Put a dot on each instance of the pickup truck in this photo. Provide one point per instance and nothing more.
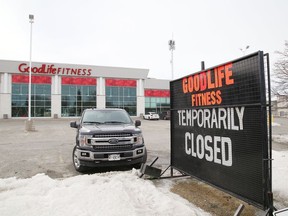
(165, 115)
(107, 137)
(151, 116)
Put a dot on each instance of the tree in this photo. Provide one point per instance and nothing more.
(281, 73)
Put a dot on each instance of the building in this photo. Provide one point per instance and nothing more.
(65, 90)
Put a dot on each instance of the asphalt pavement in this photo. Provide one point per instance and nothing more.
(49, 149)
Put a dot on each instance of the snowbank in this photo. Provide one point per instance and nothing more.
(114, 193)
(280, 175)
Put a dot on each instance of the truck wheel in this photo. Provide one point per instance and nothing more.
(76, 162)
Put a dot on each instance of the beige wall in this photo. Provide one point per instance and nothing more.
(7, 68)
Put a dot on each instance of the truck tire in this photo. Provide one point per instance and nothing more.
(76, 162)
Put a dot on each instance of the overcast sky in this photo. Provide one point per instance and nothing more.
(135, 33)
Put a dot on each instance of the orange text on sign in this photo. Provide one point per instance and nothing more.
(208, 80)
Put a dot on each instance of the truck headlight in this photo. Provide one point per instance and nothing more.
(138, 139)
(84, 140)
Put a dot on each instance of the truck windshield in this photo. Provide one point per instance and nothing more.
(106, 117)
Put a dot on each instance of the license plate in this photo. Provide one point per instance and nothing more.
(114, 157)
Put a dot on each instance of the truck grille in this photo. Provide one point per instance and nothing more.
(112, 135)
(113, 147)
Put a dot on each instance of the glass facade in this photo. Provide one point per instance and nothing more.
(157, 104)
(40, 96)
(121, 94)
(157, 100)
(77, 94)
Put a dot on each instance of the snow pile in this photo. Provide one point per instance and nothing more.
(114, 193)
(280, 175)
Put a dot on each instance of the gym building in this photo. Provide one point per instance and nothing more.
(65, 90)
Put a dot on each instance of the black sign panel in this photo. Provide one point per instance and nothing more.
(219, 127)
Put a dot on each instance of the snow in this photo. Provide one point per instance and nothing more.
(112, 193)
(280, 170)
(280, 175)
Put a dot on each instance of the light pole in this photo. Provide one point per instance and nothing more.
(244, 50)
(31, 20)
(29, 123)
(172, 48)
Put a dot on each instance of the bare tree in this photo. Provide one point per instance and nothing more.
(281, 72)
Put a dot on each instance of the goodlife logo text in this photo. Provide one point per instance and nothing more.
(51, 69)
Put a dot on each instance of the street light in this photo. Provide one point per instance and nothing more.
(31, 20)
(29, 123)
(171, 44)
(244, 50)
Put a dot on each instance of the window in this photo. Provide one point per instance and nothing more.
(78, 94)
(122, 97)
(40, 100)
(157, 100)
(157, 104)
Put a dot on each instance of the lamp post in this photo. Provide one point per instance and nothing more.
(171, 44)
(244, 50)
(31, 20)
(29, 123)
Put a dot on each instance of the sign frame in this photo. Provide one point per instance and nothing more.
(184, 158)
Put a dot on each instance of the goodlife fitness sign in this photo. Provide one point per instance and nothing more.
(219, 127)
(51, 69)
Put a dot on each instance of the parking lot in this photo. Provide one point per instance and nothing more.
(49, 149)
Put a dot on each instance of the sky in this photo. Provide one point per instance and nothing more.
(135, 33)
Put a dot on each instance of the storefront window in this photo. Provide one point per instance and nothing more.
(157, 100)
(77, 94)
(121, 94)
(40, 96)
(153, 104)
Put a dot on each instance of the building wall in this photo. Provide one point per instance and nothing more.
(157, 84)
(5, 95)
(62, 69)
(101, 99)
(58, 71)
(140, 97)
(56, 97)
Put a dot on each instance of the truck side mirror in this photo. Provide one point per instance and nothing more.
(73, 124)
(137, 123)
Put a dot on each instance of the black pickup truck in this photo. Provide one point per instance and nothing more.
(107, 137)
